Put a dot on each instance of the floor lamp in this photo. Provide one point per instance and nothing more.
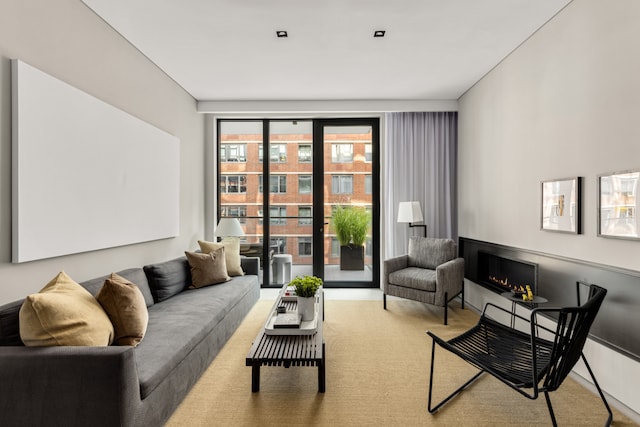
(410, 212)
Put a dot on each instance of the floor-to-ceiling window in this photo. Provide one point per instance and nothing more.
(283, 179)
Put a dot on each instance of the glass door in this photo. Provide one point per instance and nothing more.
(284, 180)
(346, 199)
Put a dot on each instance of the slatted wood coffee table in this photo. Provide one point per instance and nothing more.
(289, 350)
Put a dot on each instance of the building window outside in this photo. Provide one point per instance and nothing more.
(239, 212)
(368, 247)
(278, 244)
(335, 247)
(304, 184)
(233, 153)
(342, 184)
(368, 152)
(304, 154)
(278, 215)
(304, 246)
(233, 184)
(278, 153)
(341, 153)
(277, 184)
(304, 215)
(368, 184)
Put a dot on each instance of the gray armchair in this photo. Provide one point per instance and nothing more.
(429, 273)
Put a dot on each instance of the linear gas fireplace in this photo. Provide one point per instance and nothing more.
(502, 274)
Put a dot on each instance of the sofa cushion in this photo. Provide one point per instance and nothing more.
(208, 269)
(135, 275)
(9, 324)
(415, 278)
(426, 252)
(124, 304)
(231, 254)
(64, 313)
(168, 278)
(179, 324)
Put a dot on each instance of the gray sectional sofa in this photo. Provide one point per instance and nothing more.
(122, 385)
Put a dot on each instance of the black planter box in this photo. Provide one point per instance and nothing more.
(351, 257)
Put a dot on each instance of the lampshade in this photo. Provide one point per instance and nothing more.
(409, 212)
(229, 227)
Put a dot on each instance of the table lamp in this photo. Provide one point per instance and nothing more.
(229, 227)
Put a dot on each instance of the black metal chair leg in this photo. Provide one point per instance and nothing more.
(553, 417)
(435, 409)
(604, 400)
(446, 304)
(384, 301)
(462, 295)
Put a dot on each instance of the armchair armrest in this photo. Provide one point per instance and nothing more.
(449, 279)
(394, 264)
(81, 385)
(250, 265)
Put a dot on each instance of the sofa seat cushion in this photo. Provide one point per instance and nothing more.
(178, 324)
(415, 278)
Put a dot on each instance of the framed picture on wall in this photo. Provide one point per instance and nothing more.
(618, 204)
(561, 205)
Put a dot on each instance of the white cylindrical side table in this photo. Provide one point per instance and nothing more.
(282, 268)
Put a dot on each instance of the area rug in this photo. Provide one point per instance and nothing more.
(377, 374)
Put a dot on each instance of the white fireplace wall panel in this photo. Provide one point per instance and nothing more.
(85, 175)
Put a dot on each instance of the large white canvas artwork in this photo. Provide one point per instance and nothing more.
(85, 175)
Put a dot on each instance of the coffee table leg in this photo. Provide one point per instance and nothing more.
(321, 373)
(255, 377)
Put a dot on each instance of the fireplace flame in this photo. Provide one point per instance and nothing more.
(505, 283)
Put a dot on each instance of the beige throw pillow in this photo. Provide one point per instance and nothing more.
(64, 313)
(124, 304)
(207, 269)
(231, 254)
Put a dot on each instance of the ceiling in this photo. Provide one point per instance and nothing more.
(227, 50)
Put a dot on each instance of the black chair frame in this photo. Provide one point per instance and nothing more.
(526, 362)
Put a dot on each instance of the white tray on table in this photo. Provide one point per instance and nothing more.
(307, 327)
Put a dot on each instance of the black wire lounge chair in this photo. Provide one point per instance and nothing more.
(529, 362)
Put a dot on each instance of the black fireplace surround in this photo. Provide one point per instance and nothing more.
(554, 278)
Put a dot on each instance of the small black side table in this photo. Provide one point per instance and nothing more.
(537, 299)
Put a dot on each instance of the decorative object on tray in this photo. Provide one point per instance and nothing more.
(523, 292)
(306, 288)
(287, 323)
(288, 319)
(290, 294)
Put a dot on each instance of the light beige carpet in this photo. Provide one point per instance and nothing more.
(377, 375)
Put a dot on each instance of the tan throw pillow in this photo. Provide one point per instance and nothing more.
(231, 254)
(64, 313)
(124, 304)
(207, 269)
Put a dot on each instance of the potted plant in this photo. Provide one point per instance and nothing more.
(351, 225)
(306, 288)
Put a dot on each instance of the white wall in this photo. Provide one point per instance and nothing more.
(66, 39)
(564, 104)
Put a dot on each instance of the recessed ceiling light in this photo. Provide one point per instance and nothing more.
(281, 34)
(379, 33)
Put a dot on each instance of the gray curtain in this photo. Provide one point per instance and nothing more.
(421, 164)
